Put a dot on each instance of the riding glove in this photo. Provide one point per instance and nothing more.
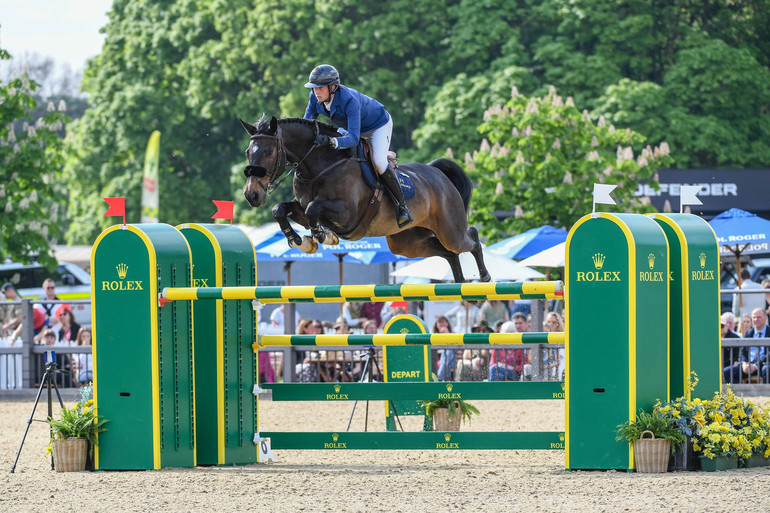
(324, 140)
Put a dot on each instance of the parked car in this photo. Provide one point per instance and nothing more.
(72, 282)
(759, 269)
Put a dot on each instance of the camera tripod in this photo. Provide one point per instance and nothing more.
(49, 380)
(367, 376)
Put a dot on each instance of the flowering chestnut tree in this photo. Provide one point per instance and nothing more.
(31, 157)
(540, 158)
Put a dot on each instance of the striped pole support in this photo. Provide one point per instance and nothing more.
(403, 292)
(422, 390)
(436, 339)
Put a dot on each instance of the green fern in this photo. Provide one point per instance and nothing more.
(660, 425)
(80, 421)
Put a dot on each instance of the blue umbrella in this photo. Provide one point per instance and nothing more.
(528, 243)
(278, 249)
(369, 250)
(741, 232)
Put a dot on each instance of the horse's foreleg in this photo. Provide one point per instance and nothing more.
(478, 254)
(281, 213)
(320, 234)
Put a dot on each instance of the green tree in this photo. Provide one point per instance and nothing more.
(712, 107)
(452, 116)
(191, 68)
(136, 86)
(32, 159)
(719, 99)
(543, 160)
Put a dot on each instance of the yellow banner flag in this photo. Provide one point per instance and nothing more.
(150, 180)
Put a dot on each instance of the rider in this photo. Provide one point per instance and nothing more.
(362, 117)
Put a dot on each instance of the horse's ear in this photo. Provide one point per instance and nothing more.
(273, 125)
(251, 129)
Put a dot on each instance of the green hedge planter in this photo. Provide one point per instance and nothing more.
(718, 463)
(756, 460)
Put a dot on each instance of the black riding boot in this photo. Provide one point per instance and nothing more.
(403, 216)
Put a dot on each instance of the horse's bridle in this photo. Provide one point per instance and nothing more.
(280, 163)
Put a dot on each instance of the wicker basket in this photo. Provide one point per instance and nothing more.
(442, 421)
(69, 455)
(651, 454)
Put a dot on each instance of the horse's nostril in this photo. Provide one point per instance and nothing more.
(252, 197)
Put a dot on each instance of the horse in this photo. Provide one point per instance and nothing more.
(332, 199)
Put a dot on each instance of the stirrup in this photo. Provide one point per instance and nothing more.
(403, 216)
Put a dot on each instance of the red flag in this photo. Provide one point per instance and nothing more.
(224, 210)
(117, 207)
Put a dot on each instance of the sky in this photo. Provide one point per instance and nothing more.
(65, 30)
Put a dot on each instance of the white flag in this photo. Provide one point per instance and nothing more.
(602, 194)
(688, 196)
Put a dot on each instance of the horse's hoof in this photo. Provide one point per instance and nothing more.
(331, 238)
(308, 245)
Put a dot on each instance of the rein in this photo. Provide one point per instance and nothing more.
(281, 163)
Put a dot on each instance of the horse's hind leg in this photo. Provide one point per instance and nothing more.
(478, 254)
(454, 264)
(420, 242)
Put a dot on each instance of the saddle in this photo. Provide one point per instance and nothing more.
(372, 179)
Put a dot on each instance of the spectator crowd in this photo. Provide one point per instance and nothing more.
(747, 320)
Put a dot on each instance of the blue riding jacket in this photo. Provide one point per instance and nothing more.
(351, 110)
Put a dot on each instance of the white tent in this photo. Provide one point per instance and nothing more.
(551, 257)
(437, 268)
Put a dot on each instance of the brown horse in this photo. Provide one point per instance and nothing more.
(331, 197)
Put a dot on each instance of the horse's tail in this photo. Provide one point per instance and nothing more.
(457, 176)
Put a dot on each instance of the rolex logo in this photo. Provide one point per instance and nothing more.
(598, 259)
(449, 387)
(561, 437)
(122, 270)
(651, 261)
(335, 437)
(447, 437)
(337, 388)
(404, 331)
(702, 258)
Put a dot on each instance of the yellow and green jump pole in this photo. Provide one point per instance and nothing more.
(436, 339)
(341, 293)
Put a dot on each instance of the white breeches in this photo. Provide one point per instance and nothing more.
(379, 140)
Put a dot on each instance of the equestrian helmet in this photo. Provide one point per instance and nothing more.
(323, 75)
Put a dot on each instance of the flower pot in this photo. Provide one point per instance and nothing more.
(651, 454)
(718, 463)
(755, 460)
(69, 455)
(442, 421)
(684, 457)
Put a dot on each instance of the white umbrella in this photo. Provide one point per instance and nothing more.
(437, 268)
(551, 257)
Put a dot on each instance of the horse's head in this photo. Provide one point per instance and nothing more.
(266, 159)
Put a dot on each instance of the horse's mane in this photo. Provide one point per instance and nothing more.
(263, 124)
